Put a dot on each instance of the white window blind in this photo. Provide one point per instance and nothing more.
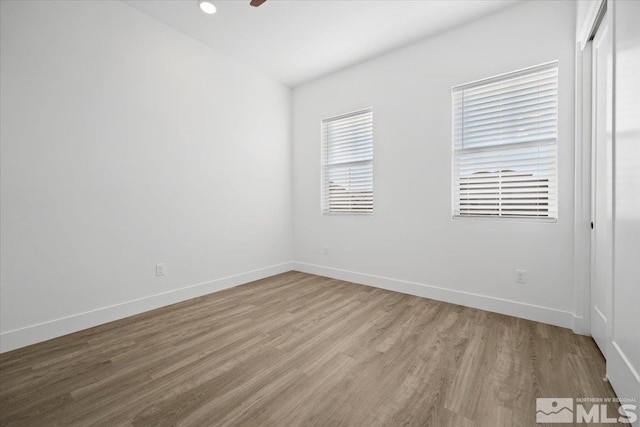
(347, 163)
(505, 135)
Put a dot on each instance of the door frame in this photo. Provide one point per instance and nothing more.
(582, 184)
(606, 312)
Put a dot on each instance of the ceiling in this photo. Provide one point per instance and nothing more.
(295, 41)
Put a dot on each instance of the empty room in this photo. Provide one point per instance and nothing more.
(319, 212)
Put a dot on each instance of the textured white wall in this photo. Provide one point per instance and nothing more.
(411, 235)
(126, 144)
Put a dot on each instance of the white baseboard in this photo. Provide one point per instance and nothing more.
(497, 305)
(32, 334)
(581, 326)
(624, 379)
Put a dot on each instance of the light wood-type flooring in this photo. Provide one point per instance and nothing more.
(301, 350)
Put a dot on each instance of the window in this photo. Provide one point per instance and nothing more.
(505, 134)
(347, 163)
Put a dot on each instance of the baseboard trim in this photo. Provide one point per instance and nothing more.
(497, 305)
(624, 379)
(33, 334)
(581, 326)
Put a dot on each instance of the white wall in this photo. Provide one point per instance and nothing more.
(411, 242)
(623, 365)
(126, 144)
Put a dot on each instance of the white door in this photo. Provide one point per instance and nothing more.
(601, 189)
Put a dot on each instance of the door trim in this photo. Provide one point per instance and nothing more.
(601, 256)
(582, 183)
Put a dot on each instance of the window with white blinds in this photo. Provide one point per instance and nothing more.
(347, 163)
(505, 137)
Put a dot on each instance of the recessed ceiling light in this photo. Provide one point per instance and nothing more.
(207, 7)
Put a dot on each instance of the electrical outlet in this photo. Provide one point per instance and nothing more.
(521, 277)
(160, 269)
(325, 250)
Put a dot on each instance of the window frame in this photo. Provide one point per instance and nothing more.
(500, 218)
(325, 210)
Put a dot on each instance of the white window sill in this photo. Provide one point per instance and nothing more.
(505, 219)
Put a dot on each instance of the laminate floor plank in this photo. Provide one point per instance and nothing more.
(296, 350)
